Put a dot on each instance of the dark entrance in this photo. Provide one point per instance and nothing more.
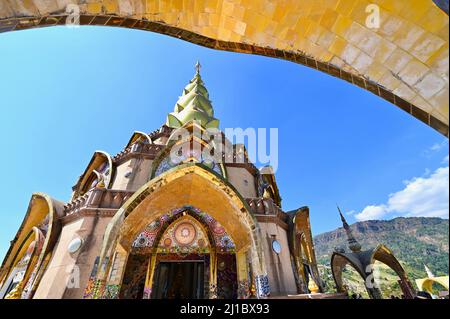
(179, 280)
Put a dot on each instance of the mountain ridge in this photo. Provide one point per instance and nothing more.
(415, 241)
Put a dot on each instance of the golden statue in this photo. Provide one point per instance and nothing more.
(312, 286)
(16, 293)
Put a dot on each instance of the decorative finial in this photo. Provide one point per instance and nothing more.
(353, 244)
(198, 67)
(428, 271)
(342, 216)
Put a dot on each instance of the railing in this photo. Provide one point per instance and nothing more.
(114, 199)
(139, 148)
(264, 206)
(98, 198)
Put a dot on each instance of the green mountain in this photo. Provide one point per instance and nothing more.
(415, 241)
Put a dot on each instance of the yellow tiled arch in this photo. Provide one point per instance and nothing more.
(404, 60)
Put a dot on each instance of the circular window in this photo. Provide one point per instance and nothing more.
(276, 246)
(75, 245)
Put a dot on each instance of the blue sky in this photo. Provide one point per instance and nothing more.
(68, 92)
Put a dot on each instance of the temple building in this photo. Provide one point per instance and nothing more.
(140, 225)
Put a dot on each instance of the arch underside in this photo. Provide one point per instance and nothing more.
(171, 194)
(360, 261)
(177, 188)
(427, 283)
(404, 61)
(41, 218)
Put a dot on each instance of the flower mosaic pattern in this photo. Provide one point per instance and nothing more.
(147, 237)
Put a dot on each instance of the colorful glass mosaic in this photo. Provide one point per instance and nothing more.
(226, 276)
(134, 278)
(262, 286)
(89, 290)
(167, 163)
(147, 238)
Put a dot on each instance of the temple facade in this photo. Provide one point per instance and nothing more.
(142, 225)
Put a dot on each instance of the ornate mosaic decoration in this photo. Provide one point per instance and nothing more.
(111, 292)
(184, 236)
(164, 166)
(167, 163)
(185, 233)
(243, 289)
(133, 282)
(262, 286)
(89, 291)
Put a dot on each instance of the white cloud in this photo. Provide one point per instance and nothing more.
(445, 160)
(422, 196)
(350, 213)
(436, 147)
(372, 212)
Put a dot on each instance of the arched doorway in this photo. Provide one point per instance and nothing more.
(178, 255)
(188, 185)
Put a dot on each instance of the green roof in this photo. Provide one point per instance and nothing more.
(193, 105)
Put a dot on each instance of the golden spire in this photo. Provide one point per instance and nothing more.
(193, 105)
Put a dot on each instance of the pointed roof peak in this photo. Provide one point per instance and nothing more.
(342, 216)
(428, 271)
(353, 244)
(194, 104)
(197, 67)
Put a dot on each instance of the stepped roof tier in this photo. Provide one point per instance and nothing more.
(193, 105)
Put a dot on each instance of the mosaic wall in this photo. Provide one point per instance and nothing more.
(167, 164)
(227, 286)
(111, 292)
(184, 235)
(134, 278)
(89, 291)
(146, 239)
(262, 286)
